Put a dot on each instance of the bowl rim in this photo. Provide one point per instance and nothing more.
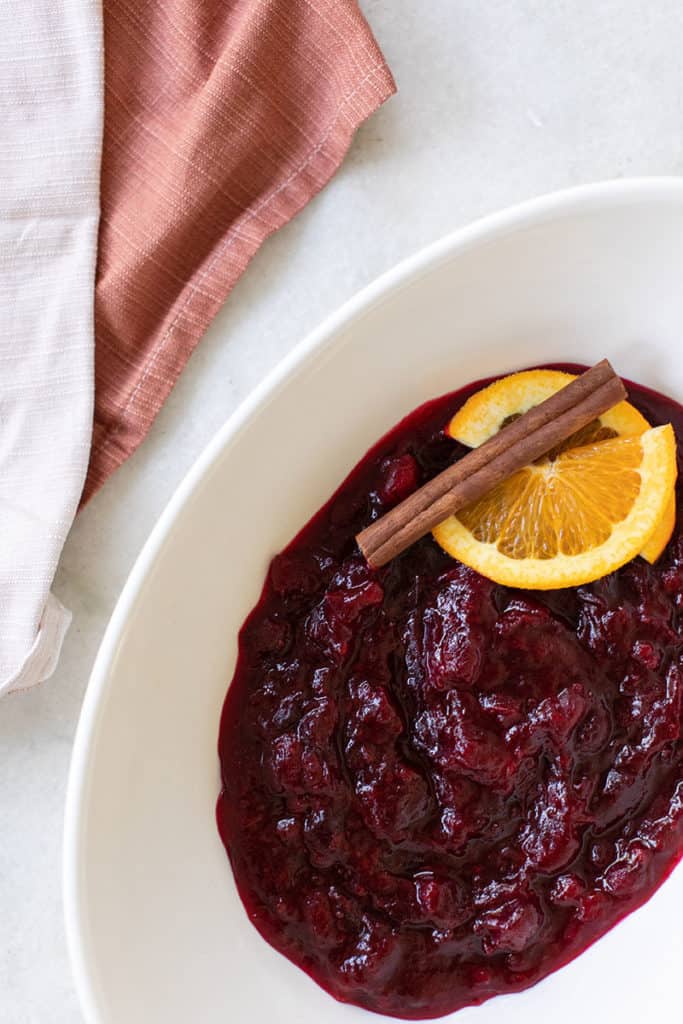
(582, 198)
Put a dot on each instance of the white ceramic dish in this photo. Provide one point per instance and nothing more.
(156, 931)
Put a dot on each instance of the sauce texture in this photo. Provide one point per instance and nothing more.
(437, 789)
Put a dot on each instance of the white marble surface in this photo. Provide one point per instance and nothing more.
(499, 101)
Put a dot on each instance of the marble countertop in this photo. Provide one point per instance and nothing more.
(498, 102)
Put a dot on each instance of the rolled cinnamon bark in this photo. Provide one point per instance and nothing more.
(518, 444)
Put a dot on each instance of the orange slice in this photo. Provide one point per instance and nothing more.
(603, 497)
(662, 535)
(485, 412)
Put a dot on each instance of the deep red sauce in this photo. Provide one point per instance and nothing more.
(437, 789)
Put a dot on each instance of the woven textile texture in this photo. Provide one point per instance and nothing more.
(51, 102)
(222, 119)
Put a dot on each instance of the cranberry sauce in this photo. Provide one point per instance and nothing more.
(437, 789)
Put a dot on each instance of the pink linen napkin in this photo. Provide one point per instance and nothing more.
(222, 119)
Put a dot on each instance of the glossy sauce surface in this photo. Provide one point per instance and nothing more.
(437, 789)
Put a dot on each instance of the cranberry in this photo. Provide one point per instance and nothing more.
(294, 574)
(330, 623)
(270, 636)
(318, 914)
(318, 723)
(400, 476)
(551, 720)
(287, 761)
(453, 629)
(567, 891)
(324, 843)
(625, 874)
(372, 717)
(289, 830)
(594, 731)
(441, 901)
(550, 837)
(393, 797)
(647, 654)
(451, 736)
(510, 927)
(369, 955)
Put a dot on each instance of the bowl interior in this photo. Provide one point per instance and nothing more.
(156, 928)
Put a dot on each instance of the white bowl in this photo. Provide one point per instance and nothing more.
(155, 927)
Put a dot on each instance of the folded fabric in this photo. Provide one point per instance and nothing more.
(51, 100)
(223, 118)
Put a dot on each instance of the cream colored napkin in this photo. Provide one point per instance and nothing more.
(51, 64)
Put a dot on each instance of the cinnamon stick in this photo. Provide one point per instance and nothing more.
(516, 445)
